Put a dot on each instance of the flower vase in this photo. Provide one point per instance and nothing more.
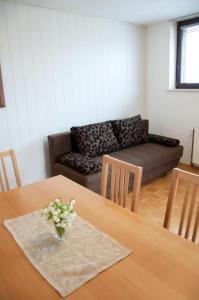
(60, 233)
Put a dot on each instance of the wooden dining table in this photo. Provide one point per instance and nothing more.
(161, 266)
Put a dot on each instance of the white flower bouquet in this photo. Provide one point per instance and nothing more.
(61, 214)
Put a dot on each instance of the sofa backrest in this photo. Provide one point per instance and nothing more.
(61, 143)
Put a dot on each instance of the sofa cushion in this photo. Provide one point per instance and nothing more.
(130, 131)
(149, 155)
(82, 163)
(163, 140)
(95, 139)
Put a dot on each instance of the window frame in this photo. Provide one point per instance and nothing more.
(180, 24)
(2, 99)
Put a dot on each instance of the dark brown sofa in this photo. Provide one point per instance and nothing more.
(155, 158)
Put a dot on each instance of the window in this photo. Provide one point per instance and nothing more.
(187, 69)
(2, 101)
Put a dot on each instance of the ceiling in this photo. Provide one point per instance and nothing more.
(135, 11)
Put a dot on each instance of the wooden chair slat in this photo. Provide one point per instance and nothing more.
(16, 169)
(126, 187)
(112, 184)
(104, 179)
(171, 197)
(193, 199)
(1, 183)
(117, 182)
(121, 188)
(196, 226)
(182, 219)
(136, 190)
(5, 173)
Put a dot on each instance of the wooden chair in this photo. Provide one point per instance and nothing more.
(192, 183)
(12, 155)
(120, 172)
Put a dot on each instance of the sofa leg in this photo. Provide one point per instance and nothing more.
(167, 173)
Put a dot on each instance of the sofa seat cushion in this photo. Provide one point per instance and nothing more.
(130, 131)
(95, 139)
(149, 155)
(81, 163)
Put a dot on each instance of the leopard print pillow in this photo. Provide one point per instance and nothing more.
(130, 131)
(81, 163)
(95, 139)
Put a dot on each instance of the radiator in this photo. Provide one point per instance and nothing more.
(195, 152)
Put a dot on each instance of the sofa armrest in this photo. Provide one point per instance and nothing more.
(59, 144)
(163, 140)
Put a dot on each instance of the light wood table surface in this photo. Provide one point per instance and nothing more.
(162, 265)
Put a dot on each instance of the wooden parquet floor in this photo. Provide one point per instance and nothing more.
(154, 196)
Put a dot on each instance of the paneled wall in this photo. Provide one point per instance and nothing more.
(61, 70)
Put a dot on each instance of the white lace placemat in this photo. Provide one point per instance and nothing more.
(67, 264)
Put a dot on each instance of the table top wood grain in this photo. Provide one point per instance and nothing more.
(163, 266)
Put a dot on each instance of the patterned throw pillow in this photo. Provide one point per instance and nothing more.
(81, 163)
(95, 139)
(130, 131)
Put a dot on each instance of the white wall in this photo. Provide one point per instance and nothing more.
(171, 113)
(61, 70)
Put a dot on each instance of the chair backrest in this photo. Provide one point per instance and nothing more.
(189, 202)
(119, 185)
(4, 182)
